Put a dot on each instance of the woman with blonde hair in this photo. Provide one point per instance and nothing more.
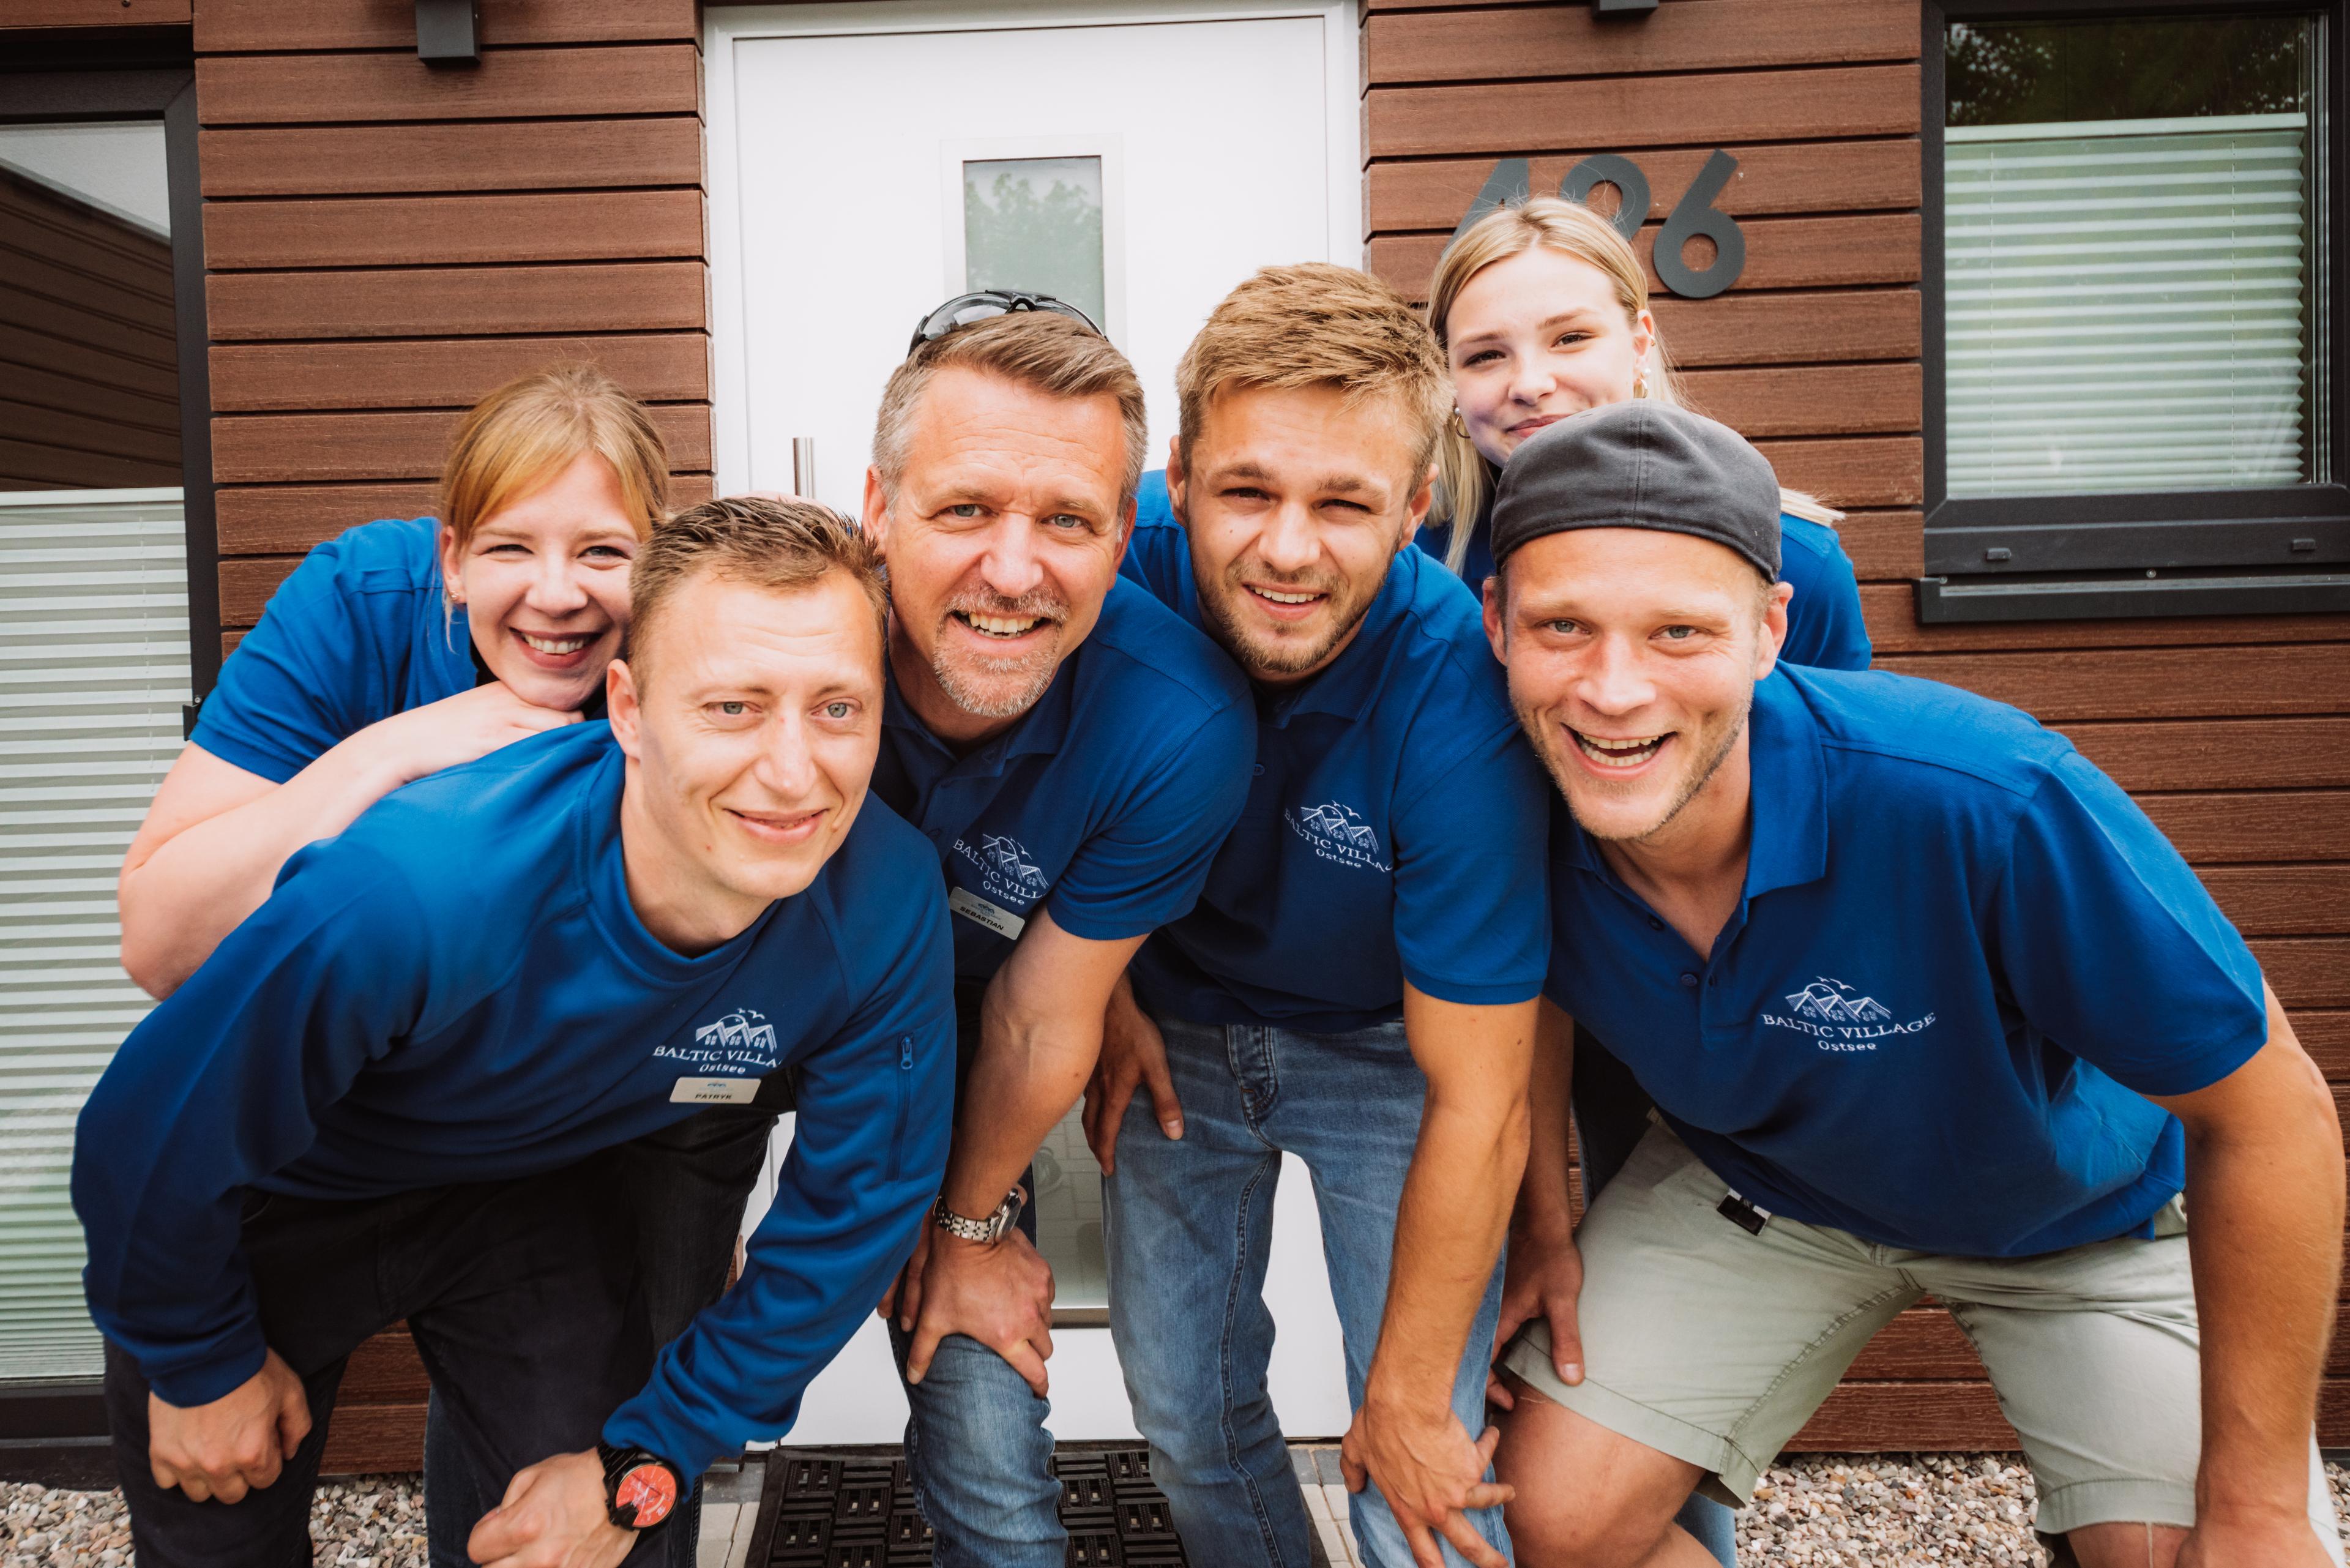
(1543, 310)
(402, 646)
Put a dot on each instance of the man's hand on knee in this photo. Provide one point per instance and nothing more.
(240, 1441)
(555, 1514)
(999, 1293)
(2218, 1539)
(1432, 1475)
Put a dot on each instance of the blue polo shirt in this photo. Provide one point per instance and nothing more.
(1962, 958)
(1824, 626)
(1102, 804)
(457, 989)
(1393, 830)
(357, 633)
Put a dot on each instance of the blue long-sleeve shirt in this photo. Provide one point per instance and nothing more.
(458, 988)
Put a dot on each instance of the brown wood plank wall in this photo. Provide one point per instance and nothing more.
(2234, 733)
(90, 388)
(387, 241)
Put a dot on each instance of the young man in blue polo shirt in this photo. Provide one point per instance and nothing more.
(1357, 985)
(385, 1095)
(1928, 1006)
(1076, 752)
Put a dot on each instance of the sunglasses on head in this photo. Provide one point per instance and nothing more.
(978, 305)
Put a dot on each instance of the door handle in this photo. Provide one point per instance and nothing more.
(804, 467)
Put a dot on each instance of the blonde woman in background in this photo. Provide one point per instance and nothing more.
(1543, 310)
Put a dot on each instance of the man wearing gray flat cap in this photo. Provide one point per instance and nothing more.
(1928, 1006)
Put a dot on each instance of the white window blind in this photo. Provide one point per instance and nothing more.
(93, 670)
(2125, 304)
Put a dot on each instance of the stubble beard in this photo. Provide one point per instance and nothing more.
(1221, 608)
(1550, 741)
(989, 687)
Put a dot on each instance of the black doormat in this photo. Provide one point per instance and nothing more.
(854, 1508)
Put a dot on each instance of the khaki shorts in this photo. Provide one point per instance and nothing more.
(1714, 1346)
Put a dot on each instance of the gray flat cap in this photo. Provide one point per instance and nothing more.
(1640, 464)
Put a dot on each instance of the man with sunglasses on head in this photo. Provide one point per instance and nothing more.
(1076, 752)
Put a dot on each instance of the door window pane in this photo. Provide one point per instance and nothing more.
(1069, 1215)
(1036, 223)
(2132, 258)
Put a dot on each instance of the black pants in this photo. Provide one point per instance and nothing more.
(684, 1187)
(522, 1297)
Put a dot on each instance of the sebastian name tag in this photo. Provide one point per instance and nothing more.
(713, 1092)
(979, 912)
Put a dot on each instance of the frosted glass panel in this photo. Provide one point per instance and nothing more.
(1036, 223)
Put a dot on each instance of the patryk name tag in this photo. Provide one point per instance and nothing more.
(979, 912)
(713, 1092)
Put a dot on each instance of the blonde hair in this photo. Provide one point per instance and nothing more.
(779, 544)
(1464, 479)
(1039, 349)
(523, 434)
(1317, 325)
(1572, 229)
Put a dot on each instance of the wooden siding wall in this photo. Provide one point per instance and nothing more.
(90, 388)
(386, 241)
(2234, 734)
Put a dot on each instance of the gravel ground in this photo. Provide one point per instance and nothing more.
(1899, 1510)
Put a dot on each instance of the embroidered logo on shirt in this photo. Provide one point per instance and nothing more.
(1006, 871)
(1839, 1018)
(1337, 833)
(741, 1042)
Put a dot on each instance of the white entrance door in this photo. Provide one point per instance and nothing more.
(870, 161)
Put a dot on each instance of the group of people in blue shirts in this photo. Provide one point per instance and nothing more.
(1460, 739)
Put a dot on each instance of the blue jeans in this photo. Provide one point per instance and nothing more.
(1611, 1116)
(979, 1455)
(1189, 1226)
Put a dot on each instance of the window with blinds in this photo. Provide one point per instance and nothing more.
(2132, 263)
(93, 671)
(2125, 304)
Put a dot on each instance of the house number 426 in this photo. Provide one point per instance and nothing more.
(1693, 216)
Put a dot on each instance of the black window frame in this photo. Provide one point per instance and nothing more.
(2272, 550)
(150, 79)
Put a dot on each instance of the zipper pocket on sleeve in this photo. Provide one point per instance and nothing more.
(905, 1092)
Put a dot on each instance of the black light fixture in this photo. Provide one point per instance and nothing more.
(448, 32)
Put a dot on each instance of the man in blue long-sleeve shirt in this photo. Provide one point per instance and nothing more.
(384, 1096)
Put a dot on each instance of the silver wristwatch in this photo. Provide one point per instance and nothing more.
(984, 1231)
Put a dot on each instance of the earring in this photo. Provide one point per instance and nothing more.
(1460, 425)
(1640, 379)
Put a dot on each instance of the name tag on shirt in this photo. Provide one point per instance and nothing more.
(713, 1090)
(979, 912)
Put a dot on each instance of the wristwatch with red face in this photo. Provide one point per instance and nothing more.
(640, 1489)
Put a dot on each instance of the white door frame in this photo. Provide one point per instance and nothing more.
(725, 27)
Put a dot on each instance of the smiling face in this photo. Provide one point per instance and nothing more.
(1003, 535)
(751, 727)
(1537, 337)
(544, 582)
(1296, 501)
(1633, 655)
